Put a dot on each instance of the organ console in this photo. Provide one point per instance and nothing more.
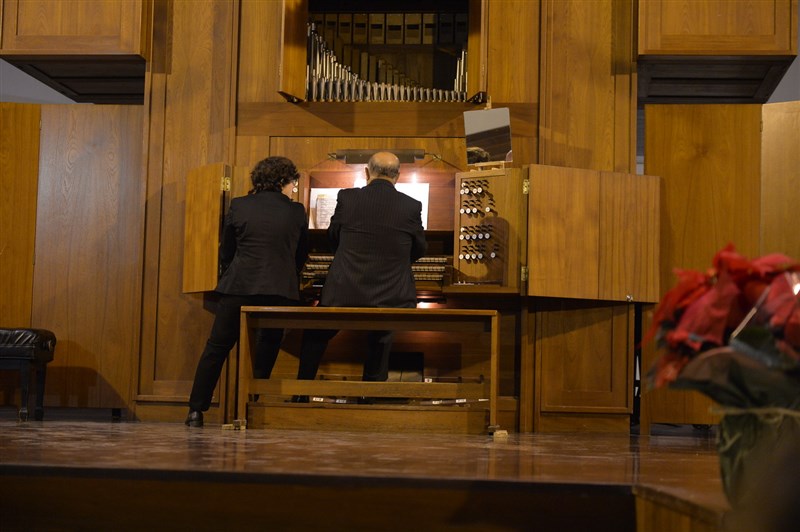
(475, 231)
(432, 272)
(475, 226)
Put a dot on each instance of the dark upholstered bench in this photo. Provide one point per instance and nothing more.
(23, 349)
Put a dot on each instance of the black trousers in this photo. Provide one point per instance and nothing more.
(224, 335)
(315, 341)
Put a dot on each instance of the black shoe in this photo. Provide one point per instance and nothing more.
(194, 419)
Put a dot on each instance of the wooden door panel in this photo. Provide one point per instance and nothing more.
(89, 245)
(584, 354)
(19, 174)
(629, 237)
(587, 86)
(563, 232)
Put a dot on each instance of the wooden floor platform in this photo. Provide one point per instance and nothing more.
(76, 475)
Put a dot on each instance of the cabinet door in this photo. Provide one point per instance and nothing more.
(584, 369)
(705, 27)
(629, 237)
(593, 235)
(91, 27)
(563, 232)
(205, 188)
(294, 49)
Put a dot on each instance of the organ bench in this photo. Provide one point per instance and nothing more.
(357, 318)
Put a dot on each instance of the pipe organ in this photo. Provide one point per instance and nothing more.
(343, 72)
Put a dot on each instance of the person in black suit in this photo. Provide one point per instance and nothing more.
(263, 249)
(376, 233)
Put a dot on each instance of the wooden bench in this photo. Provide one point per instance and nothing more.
(357, 318)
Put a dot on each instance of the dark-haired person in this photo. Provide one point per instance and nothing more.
(264, 247)
(376, 233)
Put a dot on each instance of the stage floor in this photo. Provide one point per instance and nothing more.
(681, 468)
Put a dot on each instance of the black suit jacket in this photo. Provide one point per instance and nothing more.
(264, 246)
(376, 233)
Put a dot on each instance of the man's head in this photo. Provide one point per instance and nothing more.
(384, 165)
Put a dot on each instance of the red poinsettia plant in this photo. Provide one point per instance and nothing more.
(732, 332)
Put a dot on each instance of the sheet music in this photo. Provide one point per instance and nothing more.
(322, 203)
(418, 191)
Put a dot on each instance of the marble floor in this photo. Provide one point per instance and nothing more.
(682, 465)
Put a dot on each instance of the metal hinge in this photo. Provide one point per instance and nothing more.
(526, 186)
(523, 273)
(226, 184)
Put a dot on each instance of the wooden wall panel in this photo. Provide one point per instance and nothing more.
(513, 70)
(588, 87)
(87, 278)
(709, 159)
(780, 178)
(477, 47)
(724, 180)
(19, 174)
(189, 100)
(294, 46)
(312, 153)
(717, 27)
(513, 44)
(252, 148)
(338, 119)
(78, 26)
(259, 51)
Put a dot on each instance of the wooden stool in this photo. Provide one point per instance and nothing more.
(21, 349)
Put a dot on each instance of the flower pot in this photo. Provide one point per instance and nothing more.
(759, 453)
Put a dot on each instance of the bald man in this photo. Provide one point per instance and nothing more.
(376, 233)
